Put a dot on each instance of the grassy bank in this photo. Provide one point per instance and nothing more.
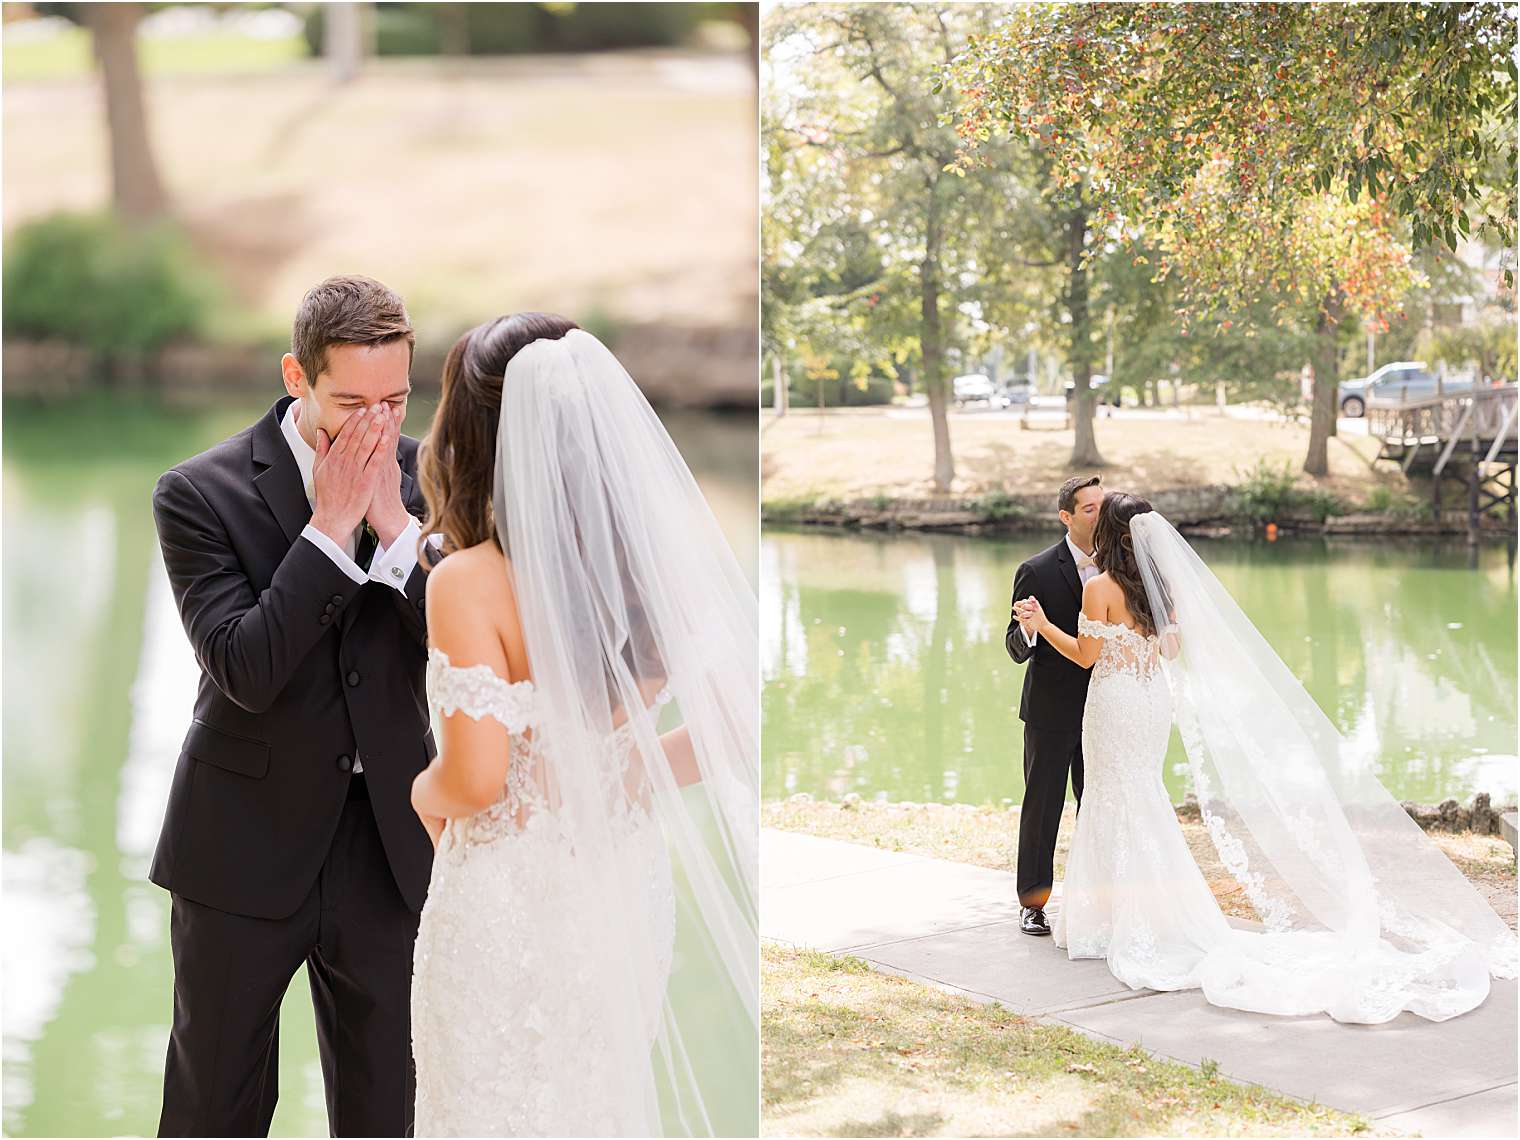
(851, 1052)
(988, 837)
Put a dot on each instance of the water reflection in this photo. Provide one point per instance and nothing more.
(885, 672)
(100, 682)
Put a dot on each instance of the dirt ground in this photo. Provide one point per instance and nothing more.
(861, 453)
(618, 183)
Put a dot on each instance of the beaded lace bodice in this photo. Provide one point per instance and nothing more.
(1125, 650)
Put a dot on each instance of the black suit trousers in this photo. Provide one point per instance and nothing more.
(1049, 755)
(355, 934)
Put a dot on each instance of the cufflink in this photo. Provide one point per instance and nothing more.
(395, 571)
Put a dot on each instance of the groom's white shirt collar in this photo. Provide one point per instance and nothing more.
(306, 458)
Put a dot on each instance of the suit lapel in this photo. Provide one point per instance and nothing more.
(280, 480)
(1069, 570)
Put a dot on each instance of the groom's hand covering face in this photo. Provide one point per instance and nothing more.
(356, 376)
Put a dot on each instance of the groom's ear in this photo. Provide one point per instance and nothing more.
(293, 375)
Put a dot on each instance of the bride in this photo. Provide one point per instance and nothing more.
(1363, 916)
(587, 958)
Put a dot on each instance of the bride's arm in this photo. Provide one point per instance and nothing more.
(471, 766)
(681, 756)
(1082, 649)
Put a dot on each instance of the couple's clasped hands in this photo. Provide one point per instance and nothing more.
(357, 477)
(1030, 614)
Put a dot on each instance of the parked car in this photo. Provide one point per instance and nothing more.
(1019, 392)
(974, 388)
(1398, 382)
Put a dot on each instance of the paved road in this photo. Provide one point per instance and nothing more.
(955, 926)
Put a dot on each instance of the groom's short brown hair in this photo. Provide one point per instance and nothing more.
(1066, 497)
(347, 310)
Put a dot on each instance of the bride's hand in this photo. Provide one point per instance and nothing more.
(1032, 614)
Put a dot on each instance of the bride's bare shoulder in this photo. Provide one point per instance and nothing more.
(476, 573)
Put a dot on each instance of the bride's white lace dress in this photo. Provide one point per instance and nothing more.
(506, 1018)
(1133, 893)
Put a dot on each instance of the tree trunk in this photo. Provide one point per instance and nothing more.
(782, 395)
(931, 338)
(343, 39)
(1084, 452)
(453, 29)
(1326, 383)
(137, 192)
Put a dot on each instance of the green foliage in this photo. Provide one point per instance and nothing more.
(507, 29)
(1408, 105)
(1489, 346)
(1385, 500)
(999, 506)
(1269, 494)
(92, 280)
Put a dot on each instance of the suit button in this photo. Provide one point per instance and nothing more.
(325, 618)
(353, 676)
(337, 599)
(328, 608)
(345, 763)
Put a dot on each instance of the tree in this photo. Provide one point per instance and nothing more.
(137, 192)
(1284, 121)
(854, 132)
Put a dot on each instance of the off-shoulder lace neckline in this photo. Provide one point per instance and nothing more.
(526, 685)
(444, 657)
(1081, 617)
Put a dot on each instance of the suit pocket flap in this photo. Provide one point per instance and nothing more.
(234, 753)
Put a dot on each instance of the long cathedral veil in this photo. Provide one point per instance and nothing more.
(1374, 917)
(627, 591)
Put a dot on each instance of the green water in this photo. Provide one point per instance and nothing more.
(99, 684)
(885, 674)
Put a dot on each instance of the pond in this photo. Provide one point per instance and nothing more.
(99, 686)
(885, 674)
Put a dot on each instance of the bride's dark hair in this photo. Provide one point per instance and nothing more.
(1114, 554)
(456, 460)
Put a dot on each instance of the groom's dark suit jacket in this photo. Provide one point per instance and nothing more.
(1055, 687)
(300, 667)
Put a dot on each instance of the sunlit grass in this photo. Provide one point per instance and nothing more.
(852, 1052)
(67, 55)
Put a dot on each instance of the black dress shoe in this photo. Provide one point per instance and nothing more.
(1032, 920)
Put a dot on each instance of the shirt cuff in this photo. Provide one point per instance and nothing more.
(330, 548)
(1029, 638)
(394, 564)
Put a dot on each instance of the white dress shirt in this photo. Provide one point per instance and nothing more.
(392, 565)
(1085, 570)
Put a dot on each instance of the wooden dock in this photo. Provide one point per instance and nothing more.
(1465, 438)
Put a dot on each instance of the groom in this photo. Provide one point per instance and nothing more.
(1055, 690)
(289, 835)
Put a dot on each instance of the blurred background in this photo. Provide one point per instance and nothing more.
(174, 178)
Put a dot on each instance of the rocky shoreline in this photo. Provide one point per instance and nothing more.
(1209, 511)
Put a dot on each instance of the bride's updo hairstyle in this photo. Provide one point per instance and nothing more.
(1114, 554)
(457, 459)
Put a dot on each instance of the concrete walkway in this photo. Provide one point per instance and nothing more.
(956, 927)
